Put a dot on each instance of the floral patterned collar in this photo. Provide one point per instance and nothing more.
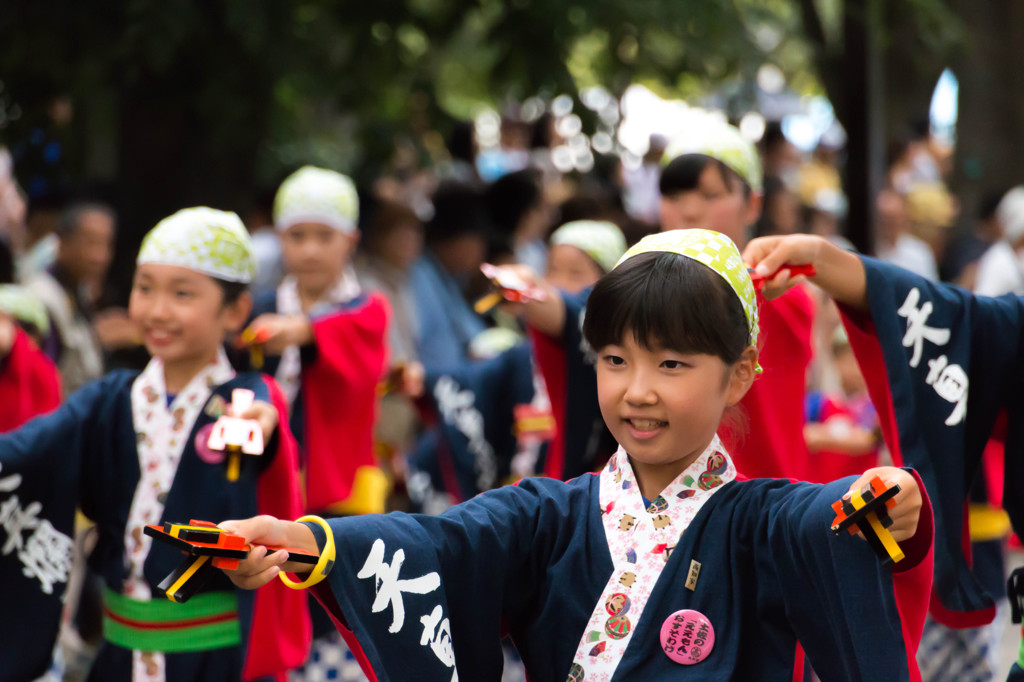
(641, 538)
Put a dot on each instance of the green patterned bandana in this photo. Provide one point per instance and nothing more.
(717, 252)
(315, 195)
(723, 142)
(206, 240)
(22, 305)
(599, 239)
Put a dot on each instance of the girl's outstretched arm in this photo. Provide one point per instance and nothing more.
(840, 273)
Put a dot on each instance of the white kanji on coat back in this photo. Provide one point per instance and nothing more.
(47, 556)
(950, 382)
(918, 330)
(389, 587)
(437, 632)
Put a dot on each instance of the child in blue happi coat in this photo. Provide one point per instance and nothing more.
(664, 565)
(132, 449)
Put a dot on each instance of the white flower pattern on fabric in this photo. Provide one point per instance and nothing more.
(640, 541)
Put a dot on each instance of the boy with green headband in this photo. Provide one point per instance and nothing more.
(325, 341)
(666, 564)
(132, 449)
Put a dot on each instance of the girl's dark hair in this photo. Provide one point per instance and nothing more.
(683, 175)
(232, 290)
(667, 301)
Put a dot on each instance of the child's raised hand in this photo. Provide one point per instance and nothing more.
(259, 568)
(907, 511)
(546, 316)
(769, 254)
(262, 412)
(280, 331)
(413, 378)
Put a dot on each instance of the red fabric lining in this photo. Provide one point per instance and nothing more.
(29, 384)
(773, 445)
(280, 632)
(550, 359)
(912, 581)
(323, 594)
(351, 358)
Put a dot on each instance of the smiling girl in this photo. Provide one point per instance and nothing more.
(131, 449)
(666, 564)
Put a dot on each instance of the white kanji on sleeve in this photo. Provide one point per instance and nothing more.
(951, 383)
(389, 587)
(917, 329)
(438, 634)
(15, 520)
(8, 484)
(47, 556)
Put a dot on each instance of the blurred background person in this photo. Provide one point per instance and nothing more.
(85, 234)
(521, 215)
(894, 242)
(1001, 268)
(456, 241)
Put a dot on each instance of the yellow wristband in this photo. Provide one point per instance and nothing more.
(323, 566)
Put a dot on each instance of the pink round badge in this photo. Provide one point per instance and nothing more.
(203, 450)
(687, 637)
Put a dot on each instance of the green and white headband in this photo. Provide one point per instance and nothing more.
(717, 252)
(599, 239)
(22, 305)
(206, 240)
(317, 195)
(723, 142)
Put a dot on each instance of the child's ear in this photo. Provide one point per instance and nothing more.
(754, 205)
(741, 376)
(237, 312)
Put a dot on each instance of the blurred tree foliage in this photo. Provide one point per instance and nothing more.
(197, 101)
(178, 102)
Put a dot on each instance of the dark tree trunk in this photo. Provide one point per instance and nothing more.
(990, 129)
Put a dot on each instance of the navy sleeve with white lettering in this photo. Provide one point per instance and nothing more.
(40, 465)
(419, 592)
(941, 365)
(472, 446)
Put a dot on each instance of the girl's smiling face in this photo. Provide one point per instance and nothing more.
(663, 406)
(182, 314)
(673, 352)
